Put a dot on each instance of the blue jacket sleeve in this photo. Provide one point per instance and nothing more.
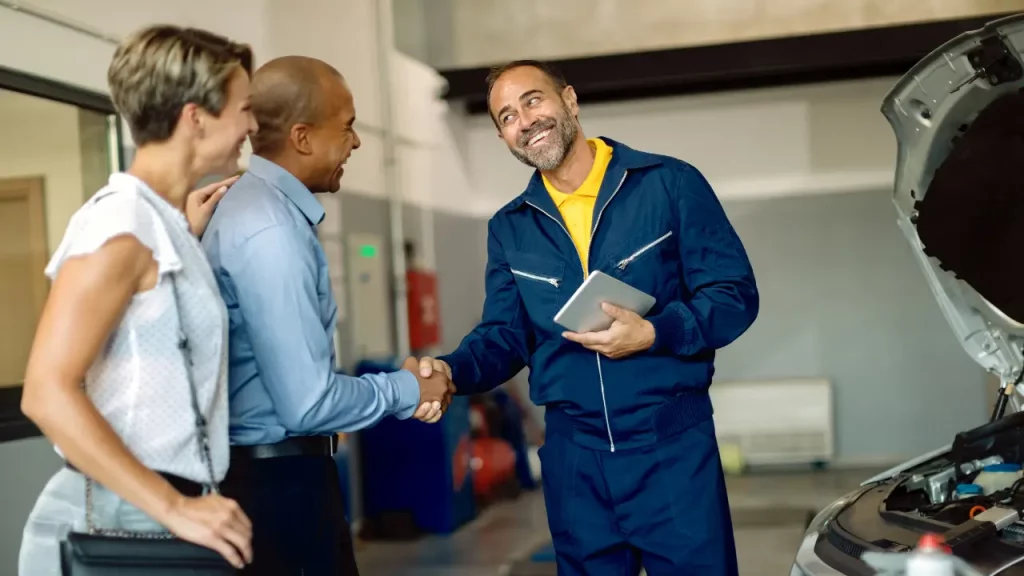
(274, 274)
(499, 347)
(722, 298)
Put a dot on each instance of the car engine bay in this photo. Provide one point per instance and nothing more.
(983, 525)
(976, 491)
(960, 205)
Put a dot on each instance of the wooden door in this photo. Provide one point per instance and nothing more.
(23, 287)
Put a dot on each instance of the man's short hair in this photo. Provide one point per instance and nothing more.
(156, 71)
(549, 70)
(286, 91)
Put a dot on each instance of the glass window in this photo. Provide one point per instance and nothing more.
(53, 156)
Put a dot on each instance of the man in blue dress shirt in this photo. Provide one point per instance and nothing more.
(287, 402)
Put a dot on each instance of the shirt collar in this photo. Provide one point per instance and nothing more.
(624, 159)
(560, 197)
(290, 186)
(588, 189)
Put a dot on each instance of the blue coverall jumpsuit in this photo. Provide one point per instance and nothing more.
(630, 465)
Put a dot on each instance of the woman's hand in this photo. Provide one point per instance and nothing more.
(215, 522)
(200, 204)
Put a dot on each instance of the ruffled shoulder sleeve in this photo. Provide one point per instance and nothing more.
(116, 211)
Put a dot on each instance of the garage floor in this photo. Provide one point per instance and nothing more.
(769, 512)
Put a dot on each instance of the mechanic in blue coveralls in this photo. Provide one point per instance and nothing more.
(631, 471)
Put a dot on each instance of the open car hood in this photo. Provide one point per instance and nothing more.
(958, 116)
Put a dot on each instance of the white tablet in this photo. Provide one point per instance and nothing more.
(583, 313)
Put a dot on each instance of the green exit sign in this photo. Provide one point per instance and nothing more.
(368, 251)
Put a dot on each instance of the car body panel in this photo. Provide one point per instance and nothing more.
(926, 109)
(900, 468)
(958, 205)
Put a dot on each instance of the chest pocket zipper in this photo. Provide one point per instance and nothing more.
(627, 261)
(553, 281)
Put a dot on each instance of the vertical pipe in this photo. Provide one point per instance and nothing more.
(392, 183)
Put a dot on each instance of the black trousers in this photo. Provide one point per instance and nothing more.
(298, 515)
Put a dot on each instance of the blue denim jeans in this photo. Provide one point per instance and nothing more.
(59, 509)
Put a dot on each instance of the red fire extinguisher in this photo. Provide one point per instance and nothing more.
(424, 309)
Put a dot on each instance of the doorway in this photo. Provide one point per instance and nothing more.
(23, 287)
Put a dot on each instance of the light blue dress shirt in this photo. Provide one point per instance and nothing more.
(272, 273)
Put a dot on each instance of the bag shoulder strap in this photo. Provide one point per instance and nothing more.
(202, 437)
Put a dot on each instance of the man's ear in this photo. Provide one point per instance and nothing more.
(299, 137)
(569, 97)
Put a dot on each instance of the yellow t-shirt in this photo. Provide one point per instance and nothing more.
(577, 209)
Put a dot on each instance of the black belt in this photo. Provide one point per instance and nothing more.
(298, 446)
(184, 486)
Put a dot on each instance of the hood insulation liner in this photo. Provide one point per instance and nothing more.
(972, 217)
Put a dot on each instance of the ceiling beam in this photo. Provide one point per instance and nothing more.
(852, 54)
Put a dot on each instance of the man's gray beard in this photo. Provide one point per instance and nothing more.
(554, 153)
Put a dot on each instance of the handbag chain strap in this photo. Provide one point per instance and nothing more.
(201, 435)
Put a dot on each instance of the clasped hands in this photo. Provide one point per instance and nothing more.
(436, 387)
(628, 335)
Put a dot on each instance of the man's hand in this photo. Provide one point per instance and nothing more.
(436, 390)
(430, 365)
(628, 334)
(200, 204)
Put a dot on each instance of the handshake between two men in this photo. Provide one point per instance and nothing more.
(436, 387)
(628, 334)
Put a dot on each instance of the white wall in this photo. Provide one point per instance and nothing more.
(749, 144)
(341, 32)
(71, 57)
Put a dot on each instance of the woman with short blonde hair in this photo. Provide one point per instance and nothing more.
(107, 381)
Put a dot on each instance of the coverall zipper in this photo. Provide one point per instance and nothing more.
(593, 230)
(626, 261)
(553, 281)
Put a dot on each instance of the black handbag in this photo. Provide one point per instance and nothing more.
(122, 553)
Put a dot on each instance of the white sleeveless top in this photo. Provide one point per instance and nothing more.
(138, 381)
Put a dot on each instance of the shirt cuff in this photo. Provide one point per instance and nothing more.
(408, 388)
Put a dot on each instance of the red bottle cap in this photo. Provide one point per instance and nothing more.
(933, 542)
